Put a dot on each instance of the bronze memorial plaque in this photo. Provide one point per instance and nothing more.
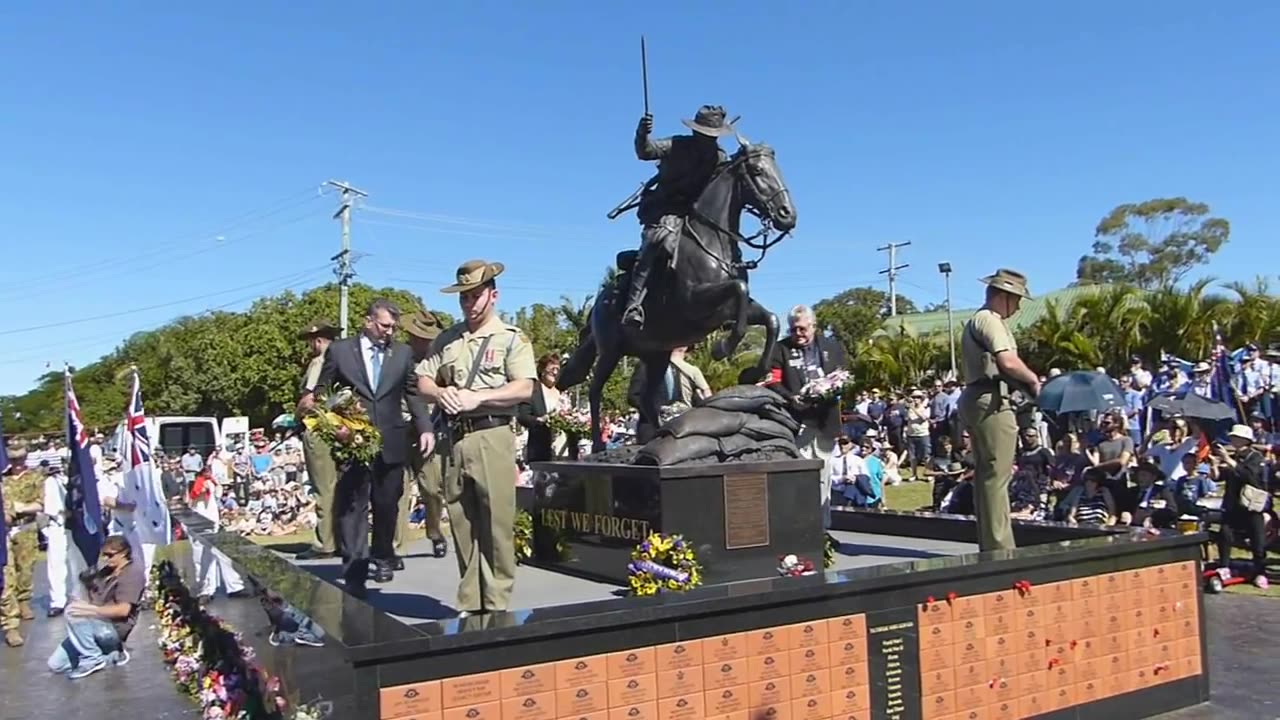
(746, 510)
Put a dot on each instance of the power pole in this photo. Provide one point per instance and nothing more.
(344, 270)
(892, 272)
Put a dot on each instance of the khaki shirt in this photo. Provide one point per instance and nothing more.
(507, 358)
(24, 487)
(312, 375)
(984, 336)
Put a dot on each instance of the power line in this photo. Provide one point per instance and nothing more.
(75, 345)
(216, 236)
(474, 222)
(453, 231)
(121, 313)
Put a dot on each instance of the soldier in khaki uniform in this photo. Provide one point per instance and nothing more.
(477, 372)
(991, 365)
(23, 500)
(320, 466)
(426, 474)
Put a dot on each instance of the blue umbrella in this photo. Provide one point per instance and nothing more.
(1080, 391)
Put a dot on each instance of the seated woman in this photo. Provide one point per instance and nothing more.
(1152, 503)
(98, 628)
(959, 500)
(1096, 506)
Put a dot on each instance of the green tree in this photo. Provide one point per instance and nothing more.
(1152, 244)
(853, 315)
(220, 364)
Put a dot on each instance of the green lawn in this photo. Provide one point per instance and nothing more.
(908, 496)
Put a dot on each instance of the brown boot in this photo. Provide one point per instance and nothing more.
(24, 610)
(13, 639)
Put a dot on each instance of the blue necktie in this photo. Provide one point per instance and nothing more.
(376, 364)
(670, 385)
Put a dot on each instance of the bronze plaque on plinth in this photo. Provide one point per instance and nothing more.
(746, 510)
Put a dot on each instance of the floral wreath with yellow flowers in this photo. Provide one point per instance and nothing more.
(663, 563)
(341, 421)
(524, 539)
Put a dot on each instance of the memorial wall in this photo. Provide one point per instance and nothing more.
(1011, 653)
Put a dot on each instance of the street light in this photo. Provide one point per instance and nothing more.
(945, 269)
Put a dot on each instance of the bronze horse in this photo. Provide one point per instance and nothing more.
(704, 290)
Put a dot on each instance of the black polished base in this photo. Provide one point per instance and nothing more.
(1087, 624)
(740, 517)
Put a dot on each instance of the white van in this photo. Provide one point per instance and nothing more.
(173, 434)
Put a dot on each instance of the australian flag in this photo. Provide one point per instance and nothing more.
(1221, 388)
(84, 511)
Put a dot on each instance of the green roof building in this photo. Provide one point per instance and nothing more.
(935, 323)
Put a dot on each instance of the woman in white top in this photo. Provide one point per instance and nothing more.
(214, 568)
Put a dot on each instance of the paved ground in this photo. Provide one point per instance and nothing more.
(143, 688)
(1240, 661)
(425, 590)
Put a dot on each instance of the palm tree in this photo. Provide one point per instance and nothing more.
(1115, 321)
(721, 374)
(1255, 318)
(1183, 321)
(1057, 340)
(576, 315)
(900, 359)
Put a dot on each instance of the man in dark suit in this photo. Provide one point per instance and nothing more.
(379, 371)
(805, 355)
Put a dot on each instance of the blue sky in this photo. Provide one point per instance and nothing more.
(163, 161)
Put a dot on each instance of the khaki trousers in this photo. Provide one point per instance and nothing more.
(428, 477)
(324, 476)
(18, 577)
(993, 428)
(480, 494)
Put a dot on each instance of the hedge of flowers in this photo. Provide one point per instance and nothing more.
(210, 662)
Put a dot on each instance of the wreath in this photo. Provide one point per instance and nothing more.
(524, 536)
(795, 566)
(829, 548)
(524, 539)
(663, 563)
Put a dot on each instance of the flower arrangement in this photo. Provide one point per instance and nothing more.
(524, 536)
(793, 566)
(209, 661)
(663, 563)
(827, 388)
(667, 413)
(573, 422)
(341, 421)
(829, 548)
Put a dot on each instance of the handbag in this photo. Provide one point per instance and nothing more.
(1253, 499)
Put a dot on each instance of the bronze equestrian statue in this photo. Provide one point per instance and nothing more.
(688, 279)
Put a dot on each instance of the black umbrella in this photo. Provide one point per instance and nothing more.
(1189, 404)
(1080, 391)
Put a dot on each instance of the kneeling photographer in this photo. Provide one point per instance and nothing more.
(97, 629)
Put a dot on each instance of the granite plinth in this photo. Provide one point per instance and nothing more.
(740, 517)
(1109, 626)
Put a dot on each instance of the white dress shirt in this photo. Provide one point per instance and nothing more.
(367, 348)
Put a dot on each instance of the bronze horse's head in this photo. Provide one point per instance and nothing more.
(766, 191)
